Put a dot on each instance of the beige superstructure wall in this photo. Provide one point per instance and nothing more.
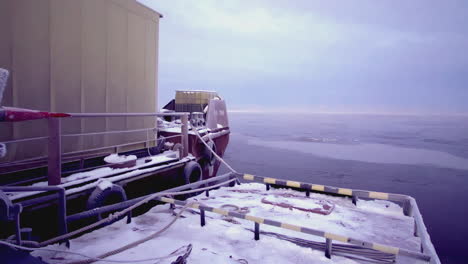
(78, 56)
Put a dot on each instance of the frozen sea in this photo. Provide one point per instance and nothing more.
(422, 156)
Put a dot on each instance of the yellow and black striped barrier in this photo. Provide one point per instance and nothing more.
(306, 230)
(326, 189)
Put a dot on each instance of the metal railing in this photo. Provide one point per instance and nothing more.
(410, 208)
(54, 140)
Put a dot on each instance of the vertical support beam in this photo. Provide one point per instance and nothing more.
(202, 217)
(328, 248)
(18, 224)
(407, 208)
(62, 214)
(307, 193)
(129, 217)
(415, 228)
(257, 231)
(54, 166)
(184, 132)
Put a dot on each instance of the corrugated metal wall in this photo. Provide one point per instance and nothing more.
(78, 56)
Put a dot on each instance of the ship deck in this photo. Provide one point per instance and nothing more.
(225, 239)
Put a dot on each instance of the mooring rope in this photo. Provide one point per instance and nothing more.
(119, 214)
(214, 153)
(112, 217)
(175, 253)
(135, 243)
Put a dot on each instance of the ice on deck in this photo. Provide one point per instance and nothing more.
(116, 158)
(230, 240)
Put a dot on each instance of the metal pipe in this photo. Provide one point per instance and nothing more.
(109, 132)
(202, 217)
(257, 231)
(328, 248)
(54, 165)
(325, 189)
(421, 230)
(124, 114)
(18, 224)
(125, 204)
(184, 132)
(23, 140)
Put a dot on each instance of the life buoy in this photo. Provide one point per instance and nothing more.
(110, 194)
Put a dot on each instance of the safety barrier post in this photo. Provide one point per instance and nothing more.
(184, 131)
(257, 231)
(54, 166)
(407, 208)
(129, 217)
(202, 217)
(328, 248)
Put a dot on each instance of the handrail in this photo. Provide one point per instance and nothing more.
(76, 115)
(410, 207)
(109, 132)
(54, 155)
(23, 140)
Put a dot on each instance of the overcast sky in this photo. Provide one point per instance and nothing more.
(333, 55)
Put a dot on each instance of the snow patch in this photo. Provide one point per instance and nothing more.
(103, 184)
(116, 158)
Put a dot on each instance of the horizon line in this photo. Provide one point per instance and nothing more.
(384, 113)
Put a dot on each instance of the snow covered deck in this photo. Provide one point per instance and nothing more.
(78, 182)
(225, 239)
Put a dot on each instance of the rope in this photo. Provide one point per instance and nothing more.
(89, 257)
(117, 215)
(214, 153)
(135, 243)
(183, 259)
